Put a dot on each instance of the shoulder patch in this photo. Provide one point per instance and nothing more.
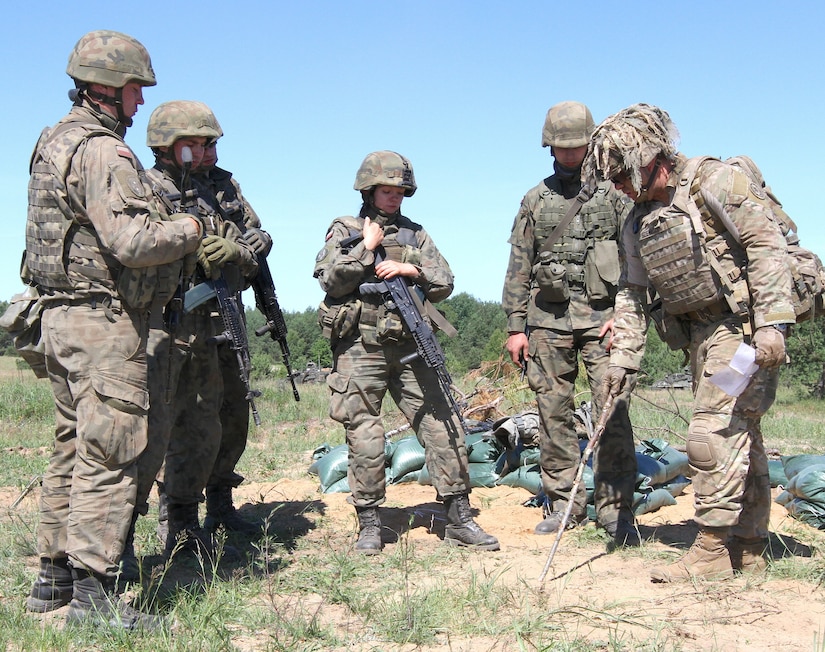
(124, 151)
(758, 191)
(135, 185)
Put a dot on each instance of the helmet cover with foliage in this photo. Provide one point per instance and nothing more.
(177, 119)
(110, 58)
(568, 124)
(385, 168)
(627, 141)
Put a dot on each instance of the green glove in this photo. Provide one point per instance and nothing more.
(219, 251)
(259, 240)
(209, 271)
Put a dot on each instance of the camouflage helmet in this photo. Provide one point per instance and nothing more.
(568, 124)
(178, 119)
(627, 141)
(386, 168)
(110, 58)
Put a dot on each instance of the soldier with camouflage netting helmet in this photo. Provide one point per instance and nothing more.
(709, 292)
(185, 373)
(371, 345)
(558, 292)
(101, 251)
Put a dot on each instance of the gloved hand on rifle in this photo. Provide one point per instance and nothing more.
(259, 240)
(215, 252)
(615, 381)
(769, 343)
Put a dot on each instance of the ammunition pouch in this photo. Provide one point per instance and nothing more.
(338, 318)
(22, 320)
(672, 330)
(551, 279)
(601, 270)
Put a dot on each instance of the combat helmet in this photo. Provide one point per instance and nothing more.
(568, 124)
(179, 119)
(385, 168)
(110, 58)
(627, 141)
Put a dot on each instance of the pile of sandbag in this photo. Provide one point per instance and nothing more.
(803, 492)
(506, 453)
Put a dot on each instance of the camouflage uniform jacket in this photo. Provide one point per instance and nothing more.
(341, 271)
(165, 182)
(763, 249)
(108, 195)
(542, 208)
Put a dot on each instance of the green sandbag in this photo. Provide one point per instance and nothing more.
(481, 447)
(526, 477)
(776, 471)
(673, 463)
(808, 512)
(809, 484)
(412, 476)
(331, 467)
(408, 456)
(793, 464)
(676, 486)
(341, 486)
(650, 502)
(481, 475)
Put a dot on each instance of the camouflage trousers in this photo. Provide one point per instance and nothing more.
(186, 390)
(725, 447)
(552, 372)
(96, 360)
(361, 376)
(234, 422)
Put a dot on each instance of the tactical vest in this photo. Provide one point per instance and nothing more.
(693, 262)
(63, 254)
(376, 323)
(595, 221)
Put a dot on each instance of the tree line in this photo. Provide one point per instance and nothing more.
(482, 332)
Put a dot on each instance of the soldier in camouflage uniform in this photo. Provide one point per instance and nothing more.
(101, 251)
(675, 199)
(557, 300)
(213, 181)
(186, 383)
(369, 343)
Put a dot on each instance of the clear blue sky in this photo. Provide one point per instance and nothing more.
(304, 90)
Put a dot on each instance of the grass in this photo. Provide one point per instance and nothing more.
(301, 587)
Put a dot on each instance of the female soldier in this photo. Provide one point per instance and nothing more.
(369, 343)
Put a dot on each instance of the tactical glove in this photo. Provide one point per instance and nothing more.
(219, 251)
(259, 240)
(209, 270)
(769, 343)
(615, 381)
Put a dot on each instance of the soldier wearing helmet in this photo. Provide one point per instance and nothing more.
(185, 376)
(101, 251)
(559, 290)
(370, 343)
(711, 307)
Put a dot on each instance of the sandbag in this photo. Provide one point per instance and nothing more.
(651, 501)
(482, 448)
(526, 477)
(793, 464)
(331, 466)
(776, 471)
(407, 456)
(809, 484)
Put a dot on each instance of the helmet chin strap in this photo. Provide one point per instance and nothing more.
(97, 98)
(651, 176)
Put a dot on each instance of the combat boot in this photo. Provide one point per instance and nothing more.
(129, 565)
(369, 531)
(552, 520)
(708, 558)
(95, 602)
(461, 529)
(187, 537)
(747, 555)
(163, 515)
(221, 511)
(53, 587)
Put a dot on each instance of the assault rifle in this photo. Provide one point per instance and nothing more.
(397, 297)
(267, 302)
(234, 328)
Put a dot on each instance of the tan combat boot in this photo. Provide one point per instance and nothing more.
(708, 558)
(746, 555)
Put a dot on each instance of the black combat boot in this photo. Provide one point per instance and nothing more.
(221, 511)
(95, 602)
(129, 564)
(163, 515)
(369, 534)
(53, 587)
(187, 537)
(461, 529)
(624, 533)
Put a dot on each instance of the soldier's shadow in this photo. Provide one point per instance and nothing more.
(682, 535)
(397, 521)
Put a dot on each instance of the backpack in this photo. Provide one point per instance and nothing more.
(806, 268)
